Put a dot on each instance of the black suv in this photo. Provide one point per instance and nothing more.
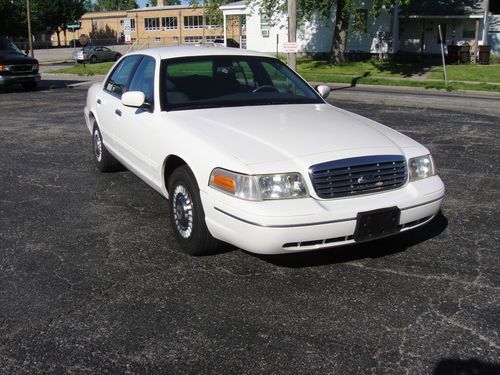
(16, 67)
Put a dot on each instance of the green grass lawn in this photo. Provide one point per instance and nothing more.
(376, 72)
(469, 72)
(88, 70)
(379, 68)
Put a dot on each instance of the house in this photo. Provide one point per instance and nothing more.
(409, 29)
(459, 20)
(267, 34)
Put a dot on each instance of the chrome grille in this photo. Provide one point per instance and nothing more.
(21, 68)
(360, 175)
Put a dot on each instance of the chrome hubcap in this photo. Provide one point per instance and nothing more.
(183, 211)
(97, 146)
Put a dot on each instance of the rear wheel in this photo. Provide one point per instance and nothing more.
(117, 56)
(103, 159)
(186, 214)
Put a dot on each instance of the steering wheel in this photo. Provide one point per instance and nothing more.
(266, 88)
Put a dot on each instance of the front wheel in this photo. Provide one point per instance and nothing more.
(186, 214)
(93, 59)
(103, 159)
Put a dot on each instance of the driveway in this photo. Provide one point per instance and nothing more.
(92, 282)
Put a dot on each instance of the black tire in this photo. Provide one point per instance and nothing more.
(117, 56)
(186, 214)
(93, 59)
(29, 86)
(104, 160)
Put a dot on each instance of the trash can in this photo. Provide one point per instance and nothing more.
(453, 54)
(484, 55)
(465, 54)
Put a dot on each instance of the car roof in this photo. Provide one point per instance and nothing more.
(189, 51)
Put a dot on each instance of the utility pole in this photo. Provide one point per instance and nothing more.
(292, 32)
(30, 41)
(203, 40)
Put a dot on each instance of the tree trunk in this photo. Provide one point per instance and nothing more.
(340, 33)
(58, 37)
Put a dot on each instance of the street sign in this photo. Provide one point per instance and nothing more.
(127, 27)
(290, 47)
(73, 26)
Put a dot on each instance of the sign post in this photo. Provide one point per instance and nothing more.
(442, 54)
(73, 27)
(127, 29)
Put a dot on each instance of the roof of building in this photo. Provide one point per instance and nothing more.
(444, 7)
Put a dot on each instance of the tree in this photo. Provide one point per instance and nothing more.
(56, 14)
(106, 5)
(344, 9)
(13, 18)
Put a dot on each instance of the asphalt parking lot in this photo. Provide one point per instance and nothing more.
(91, 281)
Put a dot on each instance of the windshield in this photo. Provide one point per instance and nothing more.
(228, 81)
(7, 45)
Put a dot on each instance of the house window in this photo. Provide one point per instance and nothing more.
(157, 39)
(361, 20)
(494, 7)
(443, 31)
(265, 22)
(193, 22)
(212, 38)
(469, 31)
(169, 23)
(132, 24)
(192, 39)
(151, 24)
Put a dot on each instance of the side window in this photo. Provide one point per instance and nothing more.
(118, 80)
(144, 78)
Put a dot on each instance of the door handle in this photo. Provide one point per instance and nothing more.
(118, 112)
(98, 101)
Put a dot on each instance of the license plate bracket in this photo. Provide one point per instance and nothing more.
(371, 225)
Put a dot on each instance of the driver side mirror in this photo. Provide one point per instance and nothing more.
(135, 99)
(323, 90)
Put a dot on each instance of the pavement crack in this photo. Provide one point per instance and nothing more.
(441, 277)
(457, 324)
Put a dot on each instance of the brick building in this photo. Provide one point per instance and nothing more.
(159, 25)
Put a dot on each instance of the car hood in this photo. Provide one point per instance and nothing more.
(262, 134)
(12, 57)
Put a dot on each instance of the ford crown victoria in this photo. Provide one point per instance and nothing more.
(246, 152)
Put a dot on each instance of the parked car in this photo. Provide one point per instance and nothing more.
(16, 67)
(229, 43)
(249, 153)
(95, 54)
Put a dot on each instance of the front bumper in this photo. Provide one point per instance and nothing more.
(274, 227)
(13, 79)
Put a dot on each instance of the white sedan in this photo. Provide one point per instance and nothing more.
(248, 153)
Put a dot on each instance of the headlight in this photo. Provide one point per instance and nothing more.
(421, 167)
(259, 187)
(4, 68)
(35, 67)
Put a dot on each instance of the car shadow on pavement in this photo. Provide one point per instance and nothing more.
(43, 85)
(375, 249)
(465, 367)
